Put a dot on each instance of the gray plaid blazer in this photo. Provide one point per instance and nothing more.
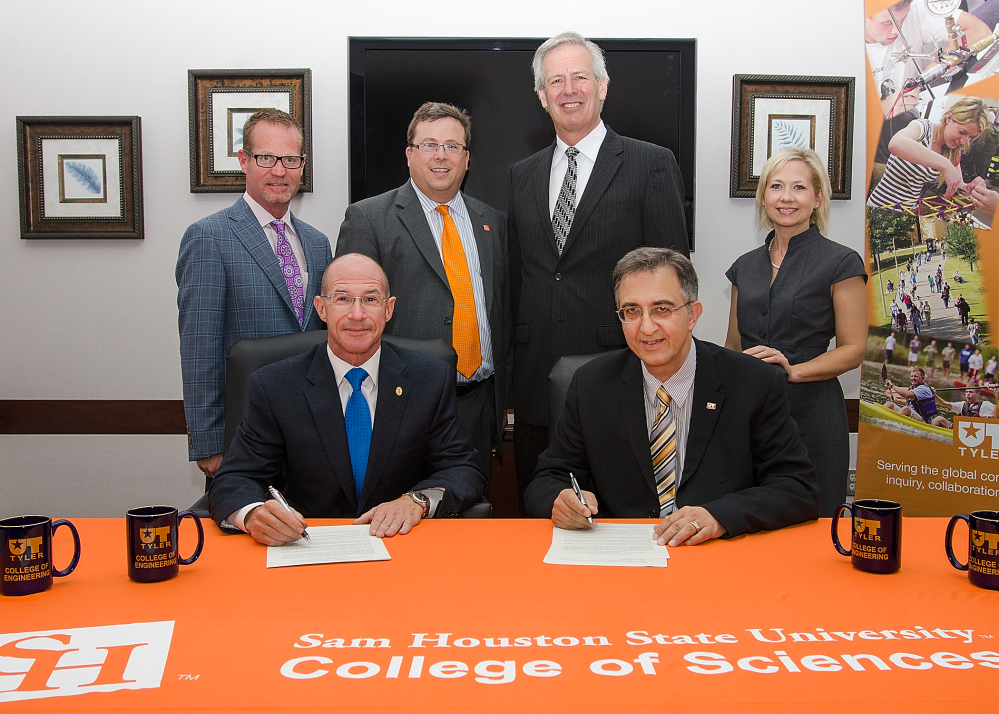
(230, 287)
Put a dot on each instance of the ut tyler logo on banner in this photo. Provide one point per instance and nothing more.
(977, 437)
(866, 524)
(62, 663)
(30, 547)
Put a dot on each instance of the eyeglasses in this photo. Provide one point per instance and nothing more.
(268, 161)
(430, 147)
(659, 313)
(345, 301)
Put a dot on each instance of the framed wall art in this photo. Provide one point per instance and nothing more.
(80, 177)
(770, 113)
(221, 100)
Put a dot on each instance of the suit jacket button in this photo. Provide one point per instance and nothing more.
(763, 334)
(653, 514)
(764, 311)
(447, 320)
(558, 276)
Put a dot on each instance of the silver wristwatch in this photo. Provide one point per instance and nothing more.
(421, 499)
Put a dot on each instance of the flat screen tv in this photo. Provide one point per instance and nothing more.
(650, 97)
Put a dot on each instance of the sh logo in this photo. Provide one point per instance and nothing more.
(61, 663)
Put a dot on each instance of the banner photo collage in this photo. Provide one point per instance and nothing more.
(929, 427)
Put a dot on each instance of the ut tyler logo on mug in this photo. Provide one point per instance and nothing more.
(149, 536)
(868, 525)
(26, 548)
(985, 540)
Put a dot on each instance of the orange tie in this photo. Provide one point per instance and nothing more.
(465, 326)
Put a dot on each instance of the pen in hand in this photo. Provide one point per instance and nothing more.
(579, 495)
(280, 499)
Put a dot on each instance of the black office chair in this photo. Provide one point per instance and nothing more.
(558, 385)
(248, 355)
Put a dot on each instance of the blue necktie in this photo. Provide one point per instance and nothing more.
(358, 418)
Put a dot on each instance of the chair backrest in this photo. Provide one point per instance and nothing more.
(558, 385)
(250, 354)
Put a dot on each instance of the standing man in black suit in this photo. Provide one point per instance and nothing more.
(445, 255)
(673, 427)
(352, 428)
(574, 209)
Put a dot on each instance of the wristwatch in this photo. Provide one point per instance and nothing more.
(421, 499)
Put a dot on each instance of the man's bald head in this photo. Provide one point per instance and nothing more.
(355, 305)
(352, 262)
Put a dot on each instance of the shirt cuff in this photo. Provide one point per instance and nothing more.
(435, 495)
(235, 519)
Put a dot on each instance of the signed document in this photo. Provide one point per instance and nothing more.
(624, 544)
(330, 544)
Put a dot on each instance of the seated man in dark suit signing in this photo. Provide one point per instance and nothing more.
(352, 428)
(674, 427)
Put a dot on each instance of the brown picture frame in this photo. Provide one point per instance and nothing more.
(61, 193)
(214, 95)
(826, 102)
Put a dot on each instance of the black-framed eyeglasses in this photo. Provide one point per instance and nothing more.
(269, 161)
(658, 313)
(430, 147)
(345, 301)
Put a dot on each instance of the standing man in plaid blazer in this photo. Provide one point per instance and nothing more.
(251, 270)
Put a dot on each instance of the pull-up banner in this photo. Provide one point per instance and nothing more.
(929, 434)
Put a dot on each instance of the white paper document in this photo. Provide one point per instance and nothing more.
(330, 544)
(624, 544)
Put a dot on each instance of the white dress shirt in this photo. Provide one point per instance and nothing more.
(589, 147)
(369, 387)
(264, 218)
(680, 388)
(459, 213)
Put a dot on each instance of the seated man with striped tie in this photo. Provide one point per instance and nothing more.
(354, 428)
(674, 427)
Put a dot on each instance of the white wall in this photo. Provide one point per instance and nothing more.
(98, 319)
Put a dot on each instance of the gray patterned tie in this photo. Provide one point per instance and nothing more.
(565, 206)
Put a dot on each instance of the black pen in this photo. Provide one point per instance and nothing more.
(579, 495)
(280, 499)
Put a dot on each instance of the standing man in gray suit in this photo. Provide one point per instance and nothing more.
(251, 270)
(445, 255)
(575, 208)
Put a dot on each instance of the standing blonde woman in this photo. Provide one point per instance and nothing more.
(790, 297)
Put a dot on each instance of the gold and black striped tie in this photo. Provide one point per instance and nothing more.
(663, 446)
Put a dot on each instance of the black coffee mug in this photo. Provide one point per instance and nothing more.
(152, 542)
(876, 543)
(26, 560)
(983, 547)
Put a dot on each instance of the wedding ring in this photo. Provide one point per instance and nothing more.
(696, 526)
(774, 352)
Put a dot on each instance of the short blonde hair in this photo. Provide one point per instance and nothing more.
(820, 184)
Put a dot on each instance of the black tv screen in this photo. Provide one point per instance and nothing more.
(650, 97)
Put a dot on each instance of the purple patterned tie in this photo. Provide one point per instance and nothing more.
(290, 270)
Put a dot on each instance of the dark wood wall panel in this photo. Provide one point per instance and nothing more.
(92, 416)
(126, 416)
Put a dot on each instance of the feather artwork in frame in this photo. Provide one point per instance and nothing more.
(82, 178)
(790, 131)
(85, 176)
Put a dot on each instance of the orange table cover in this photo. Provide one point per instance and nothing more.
(467, 617)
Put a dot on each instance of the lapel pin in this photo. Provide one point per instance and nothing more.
(398, 391)
(485, 227)
(712, 405)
